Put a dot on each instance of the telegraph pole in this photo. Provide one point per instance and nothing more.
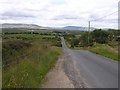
(88, 33)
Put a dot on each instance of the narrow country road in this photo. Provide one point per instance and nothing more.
(86, 69)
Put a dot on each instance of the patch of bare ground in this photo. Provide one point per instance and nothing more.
(57, 78)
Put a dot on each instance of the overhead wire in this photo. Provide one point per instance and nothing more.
(105, 16)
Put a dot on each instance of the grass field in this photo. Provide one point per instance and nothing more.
(26, 62)
(26, 36)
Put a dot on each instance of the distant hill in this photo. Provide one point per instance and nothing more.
(29, 26)
(21, 28)
(77, 28)
(17, 26)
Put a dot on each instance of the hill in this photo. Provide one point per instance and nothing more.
(33, 26)
(77, 28)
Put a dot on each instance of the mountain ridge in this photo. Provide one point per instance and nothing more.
(21, 25)
(34, 26)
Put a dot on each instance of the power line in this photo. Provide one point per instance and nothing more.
(89, 26)
(105, 16)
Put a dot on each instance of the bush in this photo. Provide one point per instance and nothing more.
(100, 36)
(85, 41)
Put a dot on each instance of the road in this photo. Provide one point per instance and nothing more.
(90, 70)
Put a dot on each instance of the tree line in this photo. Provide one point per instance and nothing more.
(90, 38)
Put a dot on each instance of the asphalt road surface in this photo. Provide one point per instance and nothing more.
(90, 70)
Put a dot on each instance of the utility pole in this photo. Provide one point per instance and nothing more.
(88, 33)
(32, 31)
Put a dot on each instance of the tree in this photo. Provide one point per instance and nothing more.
(86, 39)
(100, 36)
(75, 42)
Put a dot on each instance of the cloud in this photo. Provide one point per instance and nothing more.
(17, 14)
(66, 17)
(59, 12)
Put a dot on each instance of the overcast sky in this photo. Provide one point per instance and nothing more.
(60, 12)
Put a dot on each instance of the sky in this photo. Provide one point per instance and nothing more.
(59, 13)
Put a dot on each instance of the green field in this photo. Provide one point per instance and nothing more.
(27, 61)
(26, 36)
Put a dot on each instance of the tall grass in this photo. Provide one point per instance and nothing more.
(105, 50)
(108, 50)
(31, 69)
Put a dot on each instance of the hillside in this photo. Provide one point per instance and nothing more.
(77, 28)
(10, 25)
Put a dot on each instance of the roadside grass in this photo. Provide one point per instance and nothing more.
(68, 44)
(114, 45)
(109, 51)
(32, 68)
(105, 50)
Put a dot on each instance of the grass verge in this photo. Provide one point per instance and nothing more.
(105, 50)
(32, 68)
(101, 49)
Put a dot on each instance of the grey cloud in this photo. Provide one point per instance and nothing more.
(37, 10)
(93, 17)
(15, 14)
(110, 20)
(66, 17)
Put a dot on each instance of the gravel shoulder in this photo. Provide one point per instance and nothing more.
(73, 73)
(57, 78)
